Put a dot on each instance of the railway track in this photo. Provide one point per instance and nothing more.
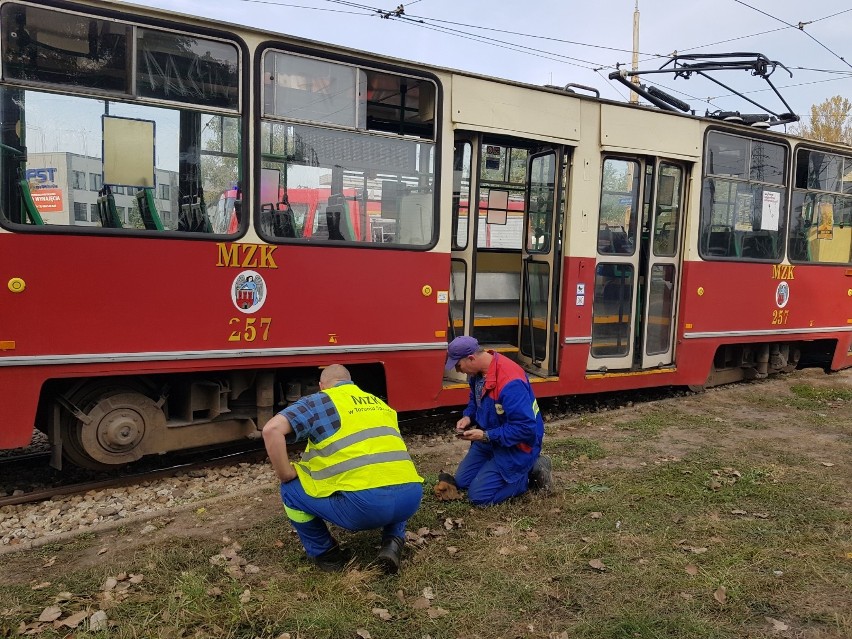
(86, 482)
(46, 483)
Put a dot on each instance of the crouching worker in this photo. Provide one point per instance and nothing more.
(355, 472)
(504, 425)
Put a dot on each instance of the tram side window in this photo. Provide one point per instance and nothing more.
(62, 152)
(462, 158)
(502, 187)
(821, 219)
(619, 207)
(152, 156)
(347, 154)
(743, 199)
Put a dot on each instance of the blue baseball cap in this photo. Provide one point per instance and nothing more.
(460, 348)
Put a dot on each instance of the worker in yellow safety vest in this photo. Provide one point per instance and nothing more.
(355, 472)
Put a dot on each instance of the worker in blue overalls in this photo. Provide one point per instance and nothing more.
(504, 425)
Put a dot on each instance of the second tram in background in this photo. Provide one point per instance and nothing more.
(381, 207)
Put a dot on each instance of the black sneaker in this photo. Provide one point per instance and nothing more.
(541, 475)
(333, 560)
(390, 554)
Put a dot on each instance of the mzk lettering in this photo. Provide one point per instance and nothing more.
(246, 255)
(366, 400)
(368, 404)
(783, 272)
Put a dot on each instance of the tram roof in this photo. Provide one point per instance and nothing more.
(238, 29)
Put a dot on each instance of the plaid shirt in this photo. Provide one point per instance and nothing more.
(313, 417)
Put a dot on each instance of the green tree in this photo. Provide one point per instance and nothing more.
(831, 121)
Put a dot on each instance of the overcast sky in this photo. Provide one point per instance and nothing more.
(562, 41)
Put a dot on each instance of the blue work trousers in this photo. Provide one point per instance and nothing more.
(388, 508)
(478, 474)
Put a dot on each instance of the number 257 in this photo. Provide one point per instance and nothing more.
(249, 332)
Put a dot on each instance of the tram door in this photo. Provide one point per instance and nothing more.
(638, 263)
(463, 262)
(541, 262)
(505, 264)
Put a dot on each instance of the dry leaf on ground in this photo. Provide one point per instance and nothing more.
(74, 620)
(778, 626)
(721, 594)
(383, 614)
(597, 564)
(51, 613)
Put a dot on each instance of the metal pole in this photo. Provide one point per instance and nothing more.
(634, 97)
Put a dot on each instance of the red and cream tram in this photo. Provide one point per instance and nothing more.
(148, 305)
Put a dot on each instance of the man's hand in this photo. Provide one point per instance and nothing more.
(473, 435)
(463, 423)
(274, 433)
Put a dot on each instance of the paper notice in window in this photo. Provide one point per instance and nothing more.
(770, 212)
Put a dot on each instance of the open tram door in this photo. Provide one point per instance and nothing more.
(506, 252)
(463, 257)
(638, 264)
(541, 263)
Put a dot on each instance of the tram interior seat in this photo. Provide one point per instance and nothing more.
(415, 218)
(335, 213)
(148, 210)
(720, 241)
(799, 249)
(281, 219)
(664, 237)
(613, 239)
(193, 215)
(757, 245)
(28, 205)
(107, 213)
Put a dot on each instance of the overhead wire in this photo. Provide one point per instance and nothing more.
(437, 25)
(301, 6)
(800, 27)
(530, 35)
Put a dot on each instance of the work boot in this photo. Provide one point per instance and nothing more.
(390, 554)
(541, 475)
(333, 560)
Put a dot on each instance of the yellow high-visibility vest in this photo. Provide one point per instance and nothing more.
(367, 450)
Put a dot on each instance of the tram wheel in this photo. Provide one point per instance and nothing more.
(117, 422)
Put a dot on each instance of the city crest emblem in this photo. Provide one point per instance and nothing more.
(782, 294)
(248, 292)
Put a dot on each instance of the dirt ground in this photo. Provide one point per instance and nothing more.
(728, 418)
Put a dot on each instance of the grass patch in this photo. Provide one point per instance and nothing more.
(569, 448)
(621, 550)
(808, 397)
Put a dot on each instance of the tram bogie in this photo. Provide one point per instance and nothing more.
(307, 205)
(102, 423)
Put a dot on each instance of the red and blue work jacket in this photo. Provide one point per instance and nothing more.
(507, 410)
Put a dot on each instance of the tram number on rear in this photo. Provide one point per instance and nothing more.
(249, 331)
(779, 316)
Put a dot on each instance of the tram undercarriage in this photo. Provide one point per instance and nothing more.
(741, 362)
(102, 423)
